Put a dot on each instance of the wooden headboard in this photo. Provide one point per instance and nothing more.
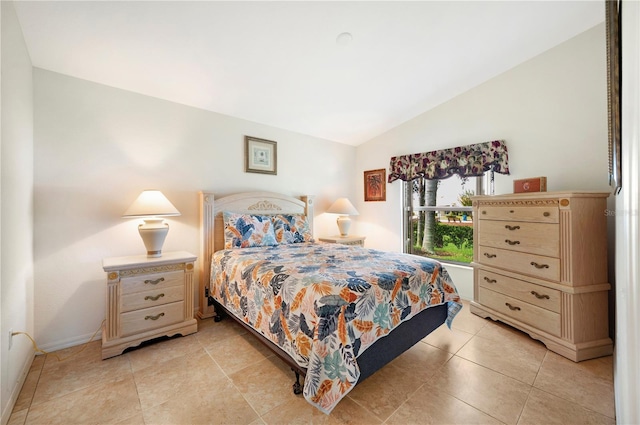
(212, 226)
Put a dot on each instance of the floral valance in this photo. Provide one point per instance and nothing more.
(466, 161)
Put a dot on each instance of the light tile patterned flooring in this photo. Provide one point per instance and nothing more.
(480, 372)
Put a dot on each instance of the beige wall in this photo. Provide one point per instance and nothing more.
(16, 212)
(550, 110)
(97, 148)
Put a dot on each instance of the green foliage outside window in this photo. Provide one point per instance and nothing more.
(465, 198)
(452, 243)
(460, 236)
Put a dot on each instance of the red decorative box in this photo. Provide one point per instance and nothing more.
(534, 184)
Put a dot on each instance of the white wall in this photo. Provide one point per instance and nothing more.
(16, 211)
(626, 374)
(550, 110)
(97, 148)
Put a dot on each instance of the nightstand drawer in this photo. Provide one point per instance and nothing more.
(536, 214)
(520, 262)
(354, 243)
(540, 318)
(344, 240)
(535, 238)
(151, 281)
(547, 298)
(150, 318)
(151, 298)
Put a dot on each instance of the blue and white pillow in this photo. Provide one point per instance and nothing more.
(292, 228)
(247, 230)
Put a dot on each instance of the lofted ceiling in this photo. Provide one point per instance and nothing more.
(283, 63)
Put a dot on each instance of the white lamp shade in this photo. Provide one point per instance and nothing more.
(150, 205)
(343, 206)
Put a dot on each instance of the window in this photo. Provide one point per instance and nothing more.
(431, 228)
(438, 219)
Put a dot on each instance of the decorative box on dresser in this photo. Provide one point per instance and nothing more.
(540, 265)
(147, 298)
(344, 240)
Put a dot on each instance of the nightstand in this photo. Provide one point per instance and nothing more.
(147, 298)
(346, 240)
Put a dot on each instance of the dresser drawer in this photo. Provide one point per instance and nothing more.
(520, 262)
(151, 281)
(547, 298)
(540, 318)
(536, 214)
(146, 319)
(536, 238)
(157, 296)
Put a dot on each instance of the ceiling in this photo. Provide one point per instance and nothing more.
(281, 64)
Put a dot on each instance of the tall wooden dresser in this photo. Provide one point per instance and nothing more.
(540, 265)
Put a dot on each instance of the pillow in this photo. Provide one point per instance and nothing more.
(246, 230)
(292, 228)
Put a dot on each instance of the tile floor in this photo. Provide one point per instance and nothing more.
(480, 372)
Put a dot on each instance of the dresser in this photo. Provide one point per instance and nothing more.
(540, 265)
(344, 240)
(147, 298)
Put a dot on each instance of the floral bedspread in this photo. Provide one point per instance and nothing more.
(324, 304)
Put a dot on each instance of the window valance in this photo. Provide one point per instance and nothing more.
(466, 161)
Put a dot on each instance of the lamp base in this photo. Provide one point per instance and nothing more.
(344, 223)
(153, 233)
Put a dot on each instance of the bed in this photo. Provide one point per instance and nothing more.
(334, 313)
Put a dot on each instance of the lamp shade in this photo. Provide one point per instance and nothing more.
(151, 203)
(343, 206)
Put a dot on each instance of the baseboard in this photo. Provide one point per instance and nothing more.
(71, 342)
(15, 391)
(79, 340)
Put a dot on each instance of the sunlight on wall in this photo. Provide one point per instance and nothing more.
(146, 151)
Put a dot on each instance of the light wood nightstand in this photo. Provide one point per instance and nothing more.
(147, 298)
(346, 240)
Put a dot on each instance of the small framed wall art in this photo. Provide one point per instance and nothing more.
(260, 156)
(375, 185)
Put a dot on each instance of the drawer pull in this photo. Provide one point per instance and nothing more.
(511, 227)
(484, 212)
(154, 282)
(511, 211)
(153, 298)
(540, 297)
(510, 242)
(486, 254)
(156, 317)
(512, 307)
(539, 266)
(489, 280)
(546, 214)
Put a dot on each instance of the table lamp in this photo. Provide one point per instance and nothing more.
(345, 208)
(151, 206)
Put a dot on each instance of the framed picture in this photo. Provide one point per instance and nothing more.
(614, 55)
(375, 185)
(260, 156)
